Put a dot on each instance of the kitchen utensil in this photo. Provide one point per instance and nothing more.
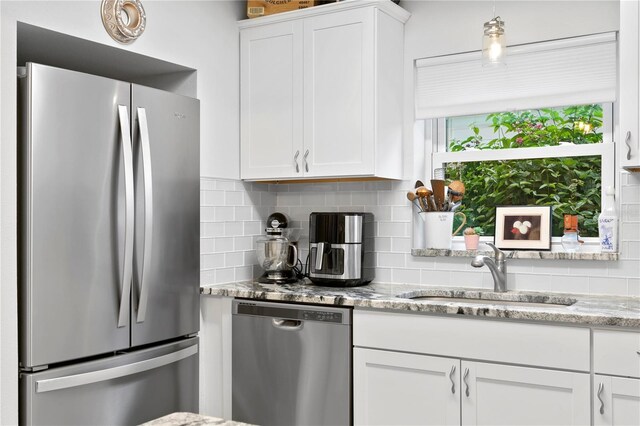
(418, 184)
(438, 174)
(456, 189)
(437, 186)
(415, 200)
(424, 192)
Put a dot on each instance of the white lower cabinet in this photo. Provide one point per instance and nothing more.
(394, 388)
(405, 389)
(427, 369)
(616, 401)
(494, 394)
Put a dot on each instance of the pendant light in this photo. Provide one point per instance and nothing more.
(494, 46)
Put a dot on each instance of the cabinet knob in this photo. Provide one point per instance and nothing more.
(295, 160)
(306, 164)
(626, 142)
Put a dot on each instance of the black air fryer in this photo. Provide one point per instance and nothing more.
(341, 249)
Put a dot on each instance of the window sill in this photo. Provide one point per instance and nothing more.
(517, 254)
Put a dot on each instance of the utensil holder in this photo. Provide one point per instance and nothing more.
(438, 226)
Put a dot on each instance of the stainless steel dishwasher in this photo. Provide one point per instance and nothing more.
(291, 364)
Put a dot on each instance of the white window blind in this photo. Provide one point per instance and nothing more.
(574, 71)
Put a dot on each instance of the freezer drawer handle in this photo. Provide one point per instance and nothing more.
(148, 214)
(127, 156)
(76, 380)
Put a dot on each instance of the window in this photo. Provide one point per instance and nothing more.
(547, 156)
(536, 132)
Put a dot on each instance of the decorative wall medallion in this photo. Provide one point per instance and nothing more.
(124, 20)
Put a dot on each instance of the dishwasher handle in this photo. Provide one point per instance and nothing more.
(287, 324)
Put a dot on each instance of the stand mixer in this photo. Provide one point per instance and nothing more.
(273, 252)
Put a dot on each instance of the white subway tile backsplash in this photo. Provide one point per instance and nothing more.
(207, 184)
(363, 198)
(401, 245)
(391, 260)
(225, 275)
(207, 214)
(312, 199)
(212, 261)
(224, 213)
(244, 243)
(227, 185)
(235, 258)
(206, 245)
(244, 273)
(410, 276)
(234, 231)
(233, 198)
(607, 285)
(393, 229)
(223, 244)
(288, 199)
(382, 244)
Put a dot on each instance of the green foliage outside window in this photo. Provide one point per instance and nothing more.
(572, 185)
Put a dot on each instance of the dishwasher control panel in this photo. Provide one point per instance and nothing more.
(292, 312)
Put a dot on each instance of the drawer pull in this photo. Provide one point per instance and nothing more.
(464, 379)
(453, 384)
(600, 389)
(626, 141)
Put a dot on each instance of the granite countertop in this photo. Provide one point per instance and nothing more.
(591, 310)
(191, 419)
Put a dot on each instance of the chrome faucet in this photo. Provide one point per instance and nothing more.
(498, 268)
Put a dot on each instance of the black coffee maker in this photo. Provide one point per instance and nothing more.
(341, 248)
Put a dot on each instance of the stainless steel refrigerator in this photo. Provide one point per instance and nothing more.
(108, 249)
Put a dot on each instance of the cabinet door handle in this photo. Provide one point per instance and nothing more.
(453, 384)
(306, 164)
(466, 384)
(626, 142)
(600, 389)
(295, 160)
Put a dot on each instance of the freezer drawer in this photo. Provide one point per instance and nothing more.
(125, 389)
(291, 364)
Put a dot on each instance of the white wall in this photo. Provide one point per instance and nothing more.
(196, 34)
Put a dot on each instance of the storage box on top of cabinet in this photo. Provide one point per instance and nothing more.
(256, 8)
(322, 92)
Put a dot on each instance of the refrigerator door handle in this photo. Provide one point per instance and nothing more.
(148, 213)
(127, 155)
(75, 380)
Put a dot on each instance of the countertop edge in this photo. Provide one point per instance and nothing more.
(589, 310)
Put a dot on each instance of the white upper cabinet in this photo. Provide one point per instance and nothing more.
(629, 93)
(271, 100)
(321, 92)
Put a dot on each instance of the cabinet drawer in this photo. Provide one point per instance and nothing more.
(616, 353)
(500, 341)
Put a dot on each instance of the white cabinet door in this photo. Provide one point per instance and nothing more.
(629, 50)
(616, 401)
(392, 388)
(339, 64)
(494, 394)
(271, 101)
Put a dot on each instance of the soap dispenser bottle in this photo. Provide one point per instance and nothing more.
(608, 223)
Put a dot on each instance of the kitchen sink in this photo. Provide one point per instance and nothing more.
(491, 298)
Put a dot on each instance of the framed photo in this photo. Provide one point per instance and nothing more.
(523, 227)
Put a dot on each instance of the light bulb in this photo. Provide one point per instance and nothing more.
(493, 42)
